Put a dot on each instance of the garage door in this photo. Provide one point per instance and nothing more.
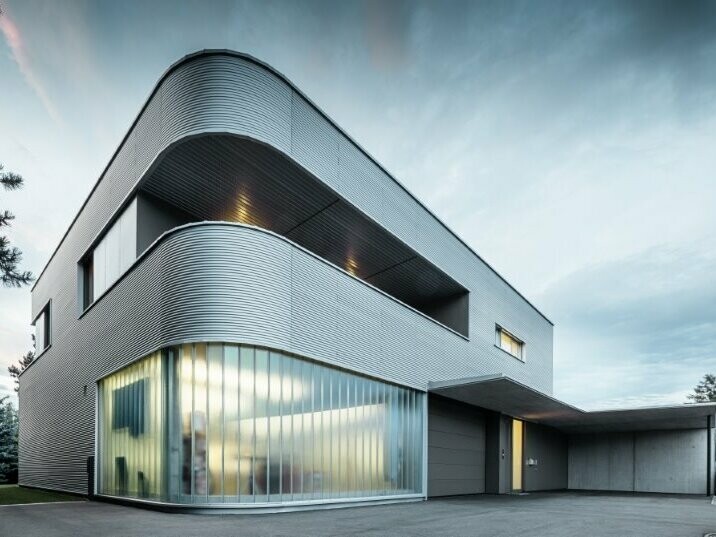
(456, 448)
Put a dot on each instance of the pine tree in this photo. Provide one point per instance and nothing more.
(22, 364)
(8, 441)
(10, 256)
(705, 391)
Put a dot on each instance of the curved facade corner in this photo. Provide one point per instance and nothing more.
(237, 425)
(259, 308)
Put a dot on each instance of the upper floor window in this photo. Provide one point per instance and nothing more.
(509, 343)
(111, 257)
(42, 330)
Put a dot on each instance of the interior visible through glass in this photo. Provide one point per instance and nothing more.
(132, 431)
(219, 423)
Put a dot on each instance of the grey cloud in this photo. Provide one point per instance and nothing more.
(552, 135)
(647, 322)
(660, 288)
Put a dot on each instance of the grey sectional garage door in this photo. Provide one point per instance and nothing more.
(456, 448)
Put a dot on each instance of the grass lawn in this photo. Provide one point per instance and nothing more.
(12, 494)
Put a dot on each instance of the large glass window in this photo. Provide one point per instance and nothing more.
(112, 256)
(253, 425)
(132, 431)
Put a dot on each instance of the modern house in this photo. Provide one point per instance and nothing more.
(248, 311)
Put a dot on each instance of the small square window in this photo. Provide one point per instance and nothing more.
(509, 343)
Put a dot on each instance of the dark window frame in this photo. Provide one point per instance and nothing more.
(499, 330)
(46, 314)
(87, 280)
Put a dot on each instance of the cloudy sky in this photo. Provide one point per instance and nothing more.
(571, 144)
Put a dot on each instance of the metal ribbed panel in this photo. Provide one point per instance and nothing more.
(314, 142)
(313, 306)
(223, 177)
(228, 93)
(223, 282)
(358, 178)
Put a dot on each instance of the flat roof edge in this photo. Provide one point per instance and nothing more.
(656, 407)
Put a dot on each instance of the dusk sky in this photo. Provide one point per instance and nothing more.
(572, 145)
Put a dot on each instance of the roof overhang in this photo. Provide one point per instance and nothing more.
(500, 393)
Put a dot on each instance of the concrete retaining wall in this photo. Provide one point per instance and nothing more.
(650, 461)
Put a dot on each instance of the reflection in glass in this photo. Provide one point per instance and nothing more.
(291, 430)
(130, 440)
(251, 425)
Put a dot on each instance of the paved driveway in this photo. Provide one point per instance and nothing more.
(548, 514)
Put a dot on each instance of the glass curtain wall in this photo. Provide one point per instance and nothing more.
(252, 425)
(132, 431)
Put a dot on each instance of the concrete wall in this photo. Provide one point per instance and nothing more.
(456, 448)
(671, 461)
(650, 461)
(548, 447)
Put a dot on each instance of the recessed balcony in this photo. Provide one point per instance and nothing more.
(220, 177)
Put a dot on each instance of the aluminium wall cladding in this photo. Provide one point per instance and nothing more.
(227, 92)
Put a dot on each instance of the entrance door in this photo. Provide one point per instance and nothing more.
(517, 445)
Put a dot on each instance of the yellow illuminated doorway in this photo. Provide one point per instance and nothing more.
(517, 443)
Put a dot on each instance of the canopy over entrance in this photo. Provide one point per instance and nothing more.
(503, 394)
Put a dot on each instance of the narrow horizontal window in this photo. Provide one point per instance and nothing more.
(509, 343)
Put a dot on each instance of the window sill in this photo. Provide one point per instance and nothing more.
(510, 354)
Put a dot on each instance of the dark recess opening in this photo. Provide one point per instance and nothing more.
(226, 178)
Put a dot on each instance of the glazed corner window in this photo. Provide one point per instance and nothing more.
(509, 343)
(111, 257)
(42, 330)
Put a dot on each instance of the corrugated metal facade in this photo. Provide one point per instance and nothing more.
(232, 283)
